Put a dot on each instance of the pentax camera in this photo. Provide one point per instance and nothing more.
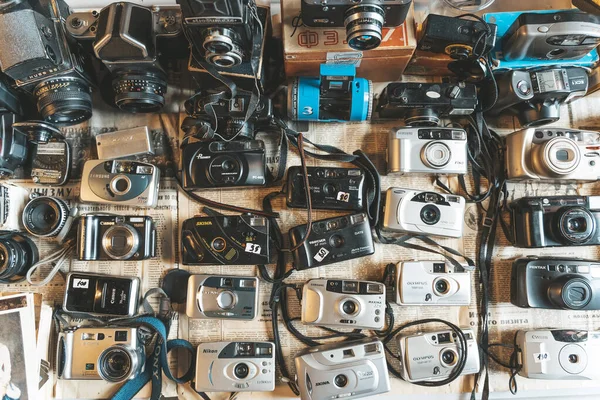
(330, 188)
(122, 182)
(343, 303)
(535, 97)
(363, 19)
(432, 283)
(235, 367)
(430, 213)
(114, 237)
(336, 95)
(113, 354)
(555, 221)
(219, 164)
(18, 254)
(424, 104)
(427, 150)
(554, 283)
(559, 354)
(431, 356)
(553, 154)
(222, 297)
(225, 240)
(332, 240)
(348, 370)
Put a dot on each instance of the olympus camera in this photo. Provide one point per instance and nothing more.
(424, 104)
(559, 354)
(225, 240)
(348, 370)
(343, 303)
(235, 367)
(18, 254)
(555, 221)
(330, 188)
(431, 213)
(427, 150)
(363, 19)
(113, 237)
(222, 297)
(332, 240)
(432, 283)
(48, 217)
(431, 356)
(120, 182)
(113, 354)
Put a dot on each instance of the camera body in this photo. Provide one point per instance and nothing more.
(332, 240)
(350, 369)
(235, 367)
(330, 188)
(427, 150)
(559, 354)
(431, 356)
(432, 283)
(555, 221)
(18, 254)
(113, 237)
(416, 211)
(13, 147)
(222, 297)
(343, 303)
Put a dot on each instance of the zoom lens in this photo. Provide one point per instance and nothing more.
(241, 370)
(45, 216)
(436, 155)
(449, 357)
(139, 92)
(430, 214)
(116, 364)
(120, 242)
(574, 225)
(222, 47)
(64, 100)
(570, 292)
(363, 26)
(17, 254)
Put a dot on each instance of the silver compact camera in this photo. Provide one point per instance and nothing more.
(427, 150)
(431, 356)
(222, 297)
(235, 367)
(348, 370)
(125, 182)
(559, 354)
(345, 303)
(432, 283)
(112, 354)
(553, 154)
(430, 213)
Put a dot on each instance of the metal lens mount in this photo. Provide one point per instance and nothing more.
(363, 26)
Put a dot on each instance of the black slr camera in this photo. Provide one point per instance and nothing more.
(555, 221)
(13, 143)
(18, 254)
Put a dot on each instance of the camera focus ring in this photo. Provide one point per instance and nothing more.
(64, 100)
(139, 92)
(363, 26)
(45, 216)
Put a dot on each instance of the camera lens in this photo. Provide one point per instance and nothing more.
(120, 242)
(222, 47)
(449, 357)
(430, 214)
(573, 358)
(17, 254)
(139, 92)
(336, 241)
(64, 100)
(349, 307)
(45, 216)
(340, 380)
(558, 156)
(442, 286)
(218, 244)
(363, 26)
(426, 117)
(574, 225)
(436, 155)
(241, 370)
(116, 364)
(570, 292)
(224, 170)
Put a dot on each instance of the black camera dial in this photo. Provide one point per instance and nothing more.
(241, 370)
(574, 225)
(570, 292)
(430, 214)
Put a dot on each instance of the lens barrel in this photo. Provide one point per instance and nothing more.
(139, 92)
(117, 363)
(17, 254)
(45, 216)
(64, 100)
(363, 26)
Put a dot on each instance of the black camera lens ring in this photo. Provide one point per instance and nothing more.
(45, 216)
(570, 292)
(564, 227)
(139, 91)
(19, 254)
(430, 214)
(64, 100)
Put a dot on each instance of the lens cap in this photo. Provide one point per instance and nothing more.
(172, 284)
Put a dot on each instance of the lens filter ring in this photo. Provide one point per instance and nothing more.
(139, 92)
(363, 26)
(45, 216)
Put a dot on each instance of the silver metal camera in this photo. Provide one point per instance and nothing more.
(348, 370)
(235, 367)
(431, 356)
(432, 283)
(112, 354)
(409, 210)
(346, 303)
(427, 150)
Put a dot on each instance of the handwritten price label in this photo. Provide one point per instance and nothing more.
(253, 248)
(541, 357)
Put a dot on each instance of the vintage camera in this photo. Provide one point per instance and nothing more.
(13, 145)
(555, 221)
(423, 104)
(225, 240)
(432, 283)
(44, 62)
(363, 19)
(535, 97)
(559, 354)
(101, 295)
(235, 367)
(18, 254)
(330, 188)
(562, 35)
(332, 240)
(113, 354)
(336, 95)
(220, 164)
(114, 237)
(122, 182)
(427, 150)
(430, 213)
(343, 303)
(48, 217)
(222, 297)
(348, 370)
(431, 356)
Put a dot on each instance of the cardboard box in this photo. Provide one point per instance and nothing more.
(306, 48)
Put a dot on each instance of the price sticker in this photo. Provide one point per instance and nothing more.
(321, 254)
(343, 196)
(81, 283)
(541, 357)
(253, 248)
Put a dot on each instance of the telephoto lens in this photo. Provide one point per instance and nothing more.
(45, 216)
(17, 255)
